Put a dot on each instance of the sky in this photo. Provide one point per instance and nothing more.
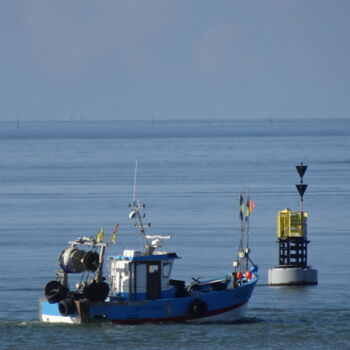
(174, 59)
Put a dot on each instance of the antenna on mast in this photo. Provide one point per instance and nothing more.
(137, 215)
(135, 178)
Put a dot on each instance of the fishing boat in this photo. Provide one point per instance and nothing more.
(140, 288)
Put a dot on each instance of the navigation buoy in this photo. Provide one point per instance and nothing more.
(293, 268)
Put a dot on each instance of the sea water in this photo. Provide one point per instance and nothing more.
(63, 180)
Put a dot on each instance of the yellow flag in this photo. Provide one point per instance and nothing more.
(101, 235)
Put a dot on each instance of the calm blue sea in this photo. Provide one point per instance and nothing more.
(62, 180)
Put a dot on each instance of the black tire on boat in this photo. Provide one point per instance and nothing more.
(51, 285)
(104, 291)
(91, 261)
(198, 307)
(96, 291)
(66, 307)
(55, 292)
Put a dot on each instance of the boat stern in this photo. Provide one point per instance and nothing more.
(75, 312)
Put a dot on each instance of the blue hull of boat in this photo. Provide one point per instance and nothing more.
(224, 305)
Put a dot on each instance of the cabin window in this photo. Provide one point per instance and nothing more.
(166, 269)
(153, 268)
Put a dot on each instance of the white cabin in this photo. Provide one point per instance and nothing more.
(134, 276)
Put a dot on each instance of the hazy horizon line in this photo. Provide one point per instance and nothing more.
(182, 119)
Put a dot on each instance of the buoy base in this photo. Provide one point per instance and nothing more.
(292, 276)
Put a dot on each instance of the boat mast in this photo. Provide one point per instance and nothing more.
(135, 177)
(138, 215)
(241, 216)
(244, 215)
(241, 252)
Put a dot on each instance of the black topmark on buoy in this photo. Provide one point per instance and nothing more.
(301, 170)
(301, 187)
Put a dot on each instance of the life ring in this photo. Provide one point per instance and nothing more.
(198, 307)
(55, 292)
(66, 307)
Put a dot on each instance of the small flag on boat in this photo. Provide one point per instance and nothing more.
(101, 235)
(114, 233)
(250, 207)
(241, 206)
